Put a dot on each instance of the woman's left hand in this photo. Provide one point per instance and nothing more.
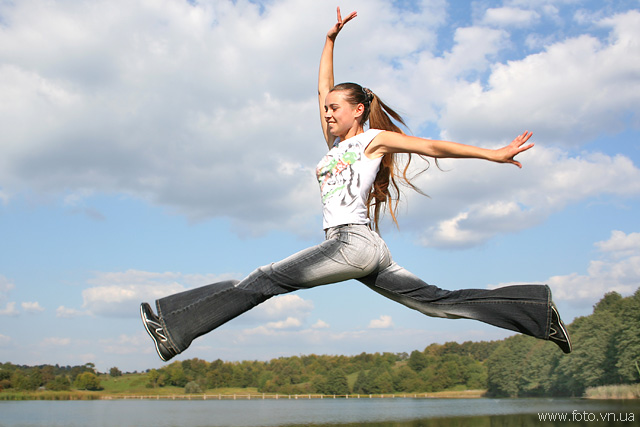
(517, 146)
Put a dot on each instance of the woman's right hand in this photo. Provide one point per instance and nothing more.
(333, 32)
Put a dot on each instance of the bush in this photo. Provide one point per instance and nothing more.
(192, 387)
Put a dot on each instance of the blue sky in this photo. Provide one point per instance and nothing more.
(151, 147)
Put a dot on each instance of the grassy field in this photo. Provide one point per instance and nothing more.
(135, 386)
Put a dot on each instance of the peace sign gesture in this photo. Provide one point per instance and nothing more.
(333, 32)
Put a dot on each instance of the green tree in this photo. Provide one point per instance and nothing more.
(115, 372)
(406, 379)
(59, 383)
(336, 383)
(219, 375)
(628, 345)
(176, 375)
(28, 379)
(417, 361)
(154, 379)
(363, 383)
(592, 362)
(382, 381)
(87, 381)
(506, 366)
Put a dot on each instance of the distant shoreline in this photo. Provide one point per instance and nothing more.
(97, 395)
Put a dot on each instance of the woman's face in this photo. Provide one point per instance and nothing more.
(341, 116)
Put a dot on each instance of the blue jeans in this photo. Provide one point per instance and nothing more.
(350, 252)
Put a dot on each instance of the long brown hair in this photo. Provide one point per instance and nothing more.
(385, 189)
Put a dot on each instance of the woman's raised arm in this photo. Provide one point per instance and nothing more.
(325, 74)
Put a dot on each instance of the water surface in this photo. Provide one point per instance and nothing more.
(326, 412)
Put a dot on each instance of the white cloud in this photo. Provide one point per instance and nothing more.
(282, 307)
(509, 17)
(617, 269)
(5, 287)
(474, 201)
(620, 244)
(550, 92)
(288, 323)
(32, 307)
(320, 324)
(383, 322)
(9, 310)
(119, 294)
(162, 102)
(69, 313)
(168, 97)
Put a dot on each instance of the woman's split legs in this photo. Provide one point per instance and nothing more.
(350, 252)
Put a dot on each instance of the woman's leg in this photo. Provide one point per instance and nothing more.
(349, 252)
(523, 308)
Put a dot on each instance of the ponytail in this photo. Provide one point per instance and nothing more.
(385, 189)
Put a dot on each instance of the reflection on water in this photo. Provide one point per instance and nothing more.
(514, 420)
(321, 413)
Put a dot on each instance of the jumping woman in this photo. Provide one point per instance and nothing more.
(358, 180)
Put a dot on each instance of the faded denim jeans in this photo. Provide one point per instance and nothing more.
(350, 252)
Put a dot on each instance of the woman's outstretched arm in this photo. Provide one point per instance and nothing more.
(325, 74)
(391, 142)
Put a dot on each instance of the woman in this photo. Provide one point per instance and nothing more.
(356, 178)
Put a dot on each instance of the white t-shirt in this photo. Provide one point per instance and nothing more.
(345, 176)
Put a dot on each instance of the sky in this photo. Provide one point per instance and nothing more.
(153, 146)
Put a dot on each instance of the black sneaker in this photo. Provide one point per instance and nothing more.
(558, 332)
(154, 328)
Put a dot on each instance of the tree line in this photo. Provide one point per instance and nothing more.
(55, 378)
(438, 367)
(606, 351)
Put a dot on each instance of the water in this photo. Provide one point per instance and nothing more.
(327, 412)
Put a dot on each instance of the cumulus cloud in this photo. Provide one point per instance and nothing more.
(320, 324)
(550, 92)
(32, 307)
(5, 287)
(9, 310)
(282, 307)
(383, 322)
(161, 101)
(118, 294)
(288, 323)
(509, 16)
(617, 269)
(283, 315)
(473, 201)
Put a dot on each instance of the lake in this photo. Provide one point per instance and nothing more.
(399, 412)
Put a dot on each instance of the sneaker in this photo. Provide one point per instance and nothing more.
(558, 332)
(156, 332)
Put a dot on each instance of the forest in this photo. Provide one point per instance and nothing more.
(606, 352)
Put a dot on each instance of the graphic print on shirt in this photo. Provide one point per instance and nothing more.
(335, 173)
